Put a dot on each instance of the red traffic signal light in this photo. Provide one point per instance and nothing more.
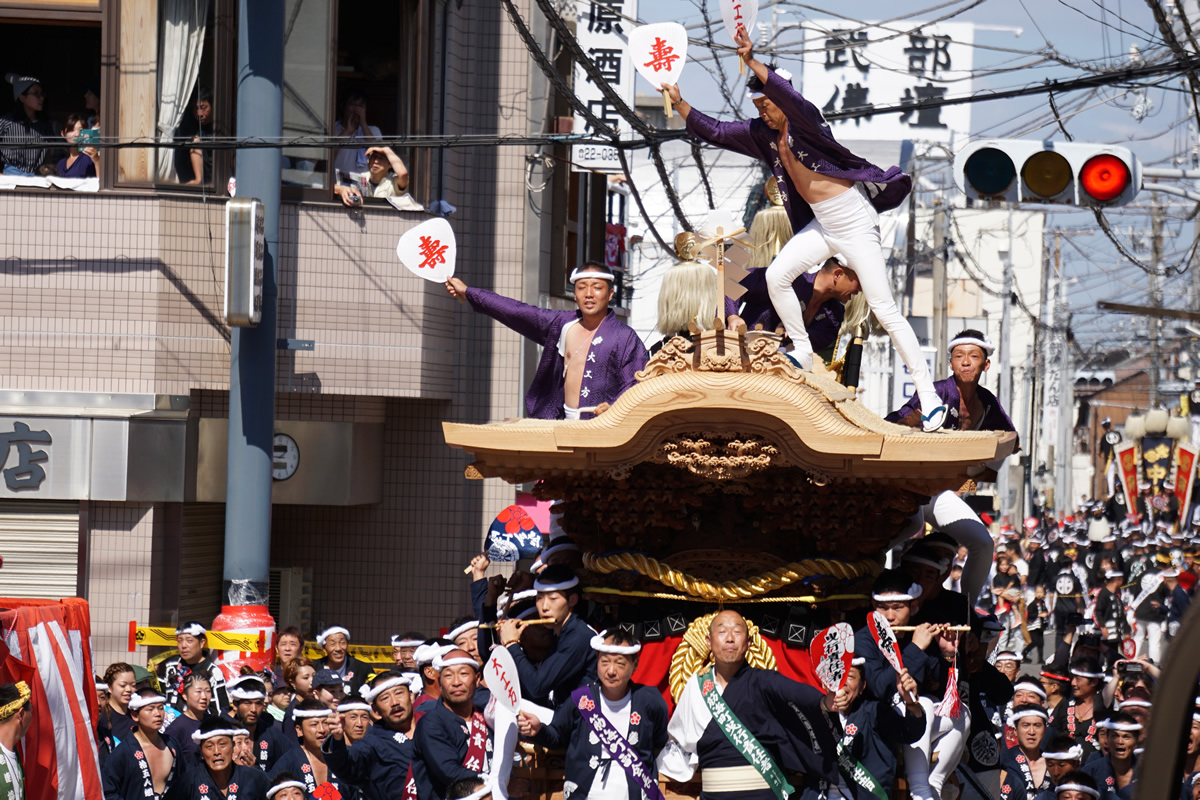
(1063, 173)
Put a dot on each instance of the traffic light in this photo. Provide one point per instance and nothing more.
(1061, 173)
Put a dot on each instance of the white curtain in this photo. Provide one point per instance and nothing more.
(179, 53)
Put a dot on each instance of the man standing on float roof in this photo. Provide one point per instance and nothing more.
(833, 199)
(589, 357)
(970, 408)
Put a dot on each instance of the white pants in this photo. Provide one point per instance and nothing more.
(950, 514)
(847, 224)
(1149, 640)
(943, 735)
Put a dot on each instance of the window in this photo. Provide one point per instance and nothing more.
(349, 70)
(196, 48)
(65, 59)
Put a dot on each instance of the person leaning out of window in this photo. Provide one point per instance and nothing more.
(386, 176)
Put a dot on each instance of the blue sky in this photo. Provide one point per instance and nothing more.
(1096, 32)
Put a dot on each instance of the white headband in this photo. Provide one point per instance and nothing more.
(582, 272)
(137, 701)
(238, 694)
(1120, 726)
(101, 686)
(1196, 717)
(369, 693)
(325, 634)
(1007, 655)
(398, 642)
(1080, 673)
(1113, 573)
(426, 654)
(274, 790)
(616, 649)
(440, 663)
(461, 629)
(1075, 753)
(312, 714)
(195, 629)
(783, 73)
(1030, 686)
(1016, 717)
(199, 737)
(984, 344)
(858, 662)
(1077, 787)
(524, 595)
(344, 707)
(1124, 704)
(556, 587)
(914, 591)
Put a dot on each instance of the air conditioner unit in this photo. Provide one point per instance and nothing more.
(290, 597)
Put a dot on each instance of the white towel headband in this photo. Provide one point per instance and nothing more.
(274, 790)
(984, 344)
(1077, 787)
(461, 629)
(1075, 753)
(582, 272)
(369, 693)
(616, 649)
(345, 707)
(783, 73)
(325, 634)
(199, 737)
(137, 701)
(914, 591)
(312, 714)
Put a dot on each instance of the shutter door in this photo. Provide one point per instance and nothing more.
(39, 542)
(202, 559)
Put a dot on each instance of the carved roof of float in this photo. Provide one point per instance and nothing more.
(724, 406)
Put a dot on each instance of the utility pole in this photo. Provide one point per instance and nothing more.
(1002, 358)
(940, 302)
(252, 352)
(1156, 300)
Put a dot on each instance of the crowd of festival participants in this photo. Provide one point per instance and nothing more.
(420, 728)
(1012, 683)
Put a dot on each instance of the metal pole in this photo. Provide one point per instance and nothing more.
(1156, 234)
(940, 302)
(252, 356)
(1002, 358)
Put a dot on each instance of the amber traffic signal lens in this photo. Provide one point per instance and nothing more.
(1046, 173)
(1104, 177)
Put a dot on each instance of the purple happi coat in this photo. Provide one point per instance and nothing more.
(614, 357)
(811, 142)
(995, 418)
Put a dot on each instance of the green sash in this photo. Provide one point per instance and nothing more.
(9, 783)
(742, 739)
(853, 770)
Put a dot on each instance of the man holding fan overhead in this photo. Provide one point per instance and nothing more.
(833, 199)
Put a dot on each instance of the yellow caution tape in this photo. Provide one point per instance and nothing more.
(147, 636)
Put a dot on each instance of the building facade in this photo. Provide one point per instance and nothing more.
(114, 370)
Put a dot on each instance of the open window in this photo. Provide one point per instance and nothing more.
(349, 71)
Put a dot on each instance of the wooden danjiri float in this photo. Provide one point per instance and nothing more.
(727, 477)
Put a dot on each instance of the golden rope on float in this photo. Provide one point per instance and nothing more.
(693, 654)
(729, 590)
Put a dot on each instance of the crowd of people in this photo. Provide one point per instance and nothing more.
(421, 726)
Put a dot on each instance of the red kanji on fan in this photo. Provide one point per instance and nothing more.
(433, 251)
(662, 55)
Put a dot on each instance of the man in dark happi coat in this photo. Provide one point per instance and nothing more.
(380, 763)
(452, 740)
(551, 681)
(589, 357)
(873, 730)
(606, 721)
(145, 760)
(785, 718)
(896, 597)
(829, 289)
(218, 776)
(248, 696)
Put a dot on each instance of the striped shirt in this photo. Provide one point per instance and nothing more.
(18, 129)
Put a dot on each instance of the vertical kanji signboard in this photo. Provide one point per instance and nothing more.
(603, 28)
(857, 69)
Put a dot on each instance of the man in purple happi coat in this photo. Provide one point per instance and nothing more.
(971, 408)
(833, 199)
(589, 357)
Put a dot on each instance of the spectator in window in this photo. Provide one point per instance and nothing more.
(386, 176)
(353, 125)
(91, 101)
(194, 165)
(78, 163)
(24, 126)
